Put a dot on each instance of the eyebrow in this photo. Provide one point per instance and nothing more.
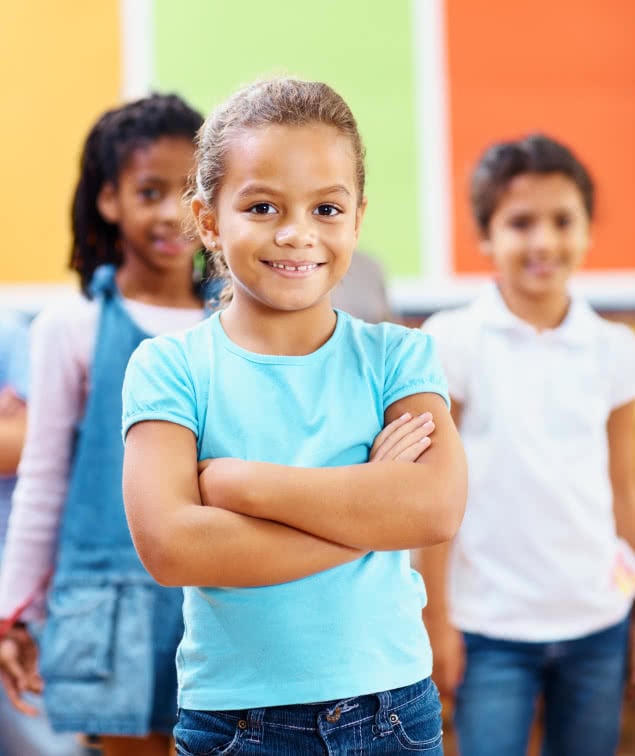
(150, 179)
(250, 189)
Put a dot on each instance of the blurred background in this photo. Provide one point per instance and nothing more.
(430, 81)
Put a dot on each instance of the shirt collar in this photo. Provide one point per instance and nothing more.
(575, 330)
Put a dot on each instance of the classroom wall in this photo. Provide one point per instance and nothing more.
(503, 69)
(566, 68)
(361, 47)
(61, 68)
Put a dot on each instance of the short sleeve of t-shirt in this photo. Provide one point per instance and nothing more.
(445, 329)
(413, 367)
(622, 362)
(158, 385)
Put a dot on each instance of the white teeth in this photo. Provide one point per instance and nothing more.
(294, 268)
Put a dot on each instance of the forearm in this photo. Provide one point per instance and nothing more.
(624, 511)
(433, 563)
(388, 506)
(205, 546)
(12, 430)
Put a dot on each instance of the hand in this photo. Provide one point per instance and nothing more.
(10, 402)
(448, 655)
(220, 479)
(18, 668)
(404, 440)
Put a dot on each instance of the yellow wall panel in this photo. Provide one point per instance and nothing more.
(60, 68)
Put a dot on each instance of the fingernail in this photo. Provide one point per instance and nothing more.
(405, 416)
(425, 440)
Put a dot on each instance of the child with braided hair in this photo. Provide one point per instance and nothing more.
(108, 648)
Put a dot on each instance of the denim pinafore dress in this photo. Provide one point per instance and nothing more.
(109, 644)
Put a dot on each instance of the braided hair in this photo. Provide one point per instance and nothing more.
(111, 141)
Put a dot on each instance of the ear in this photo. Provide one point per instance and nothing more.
(359, 216)
(206, 223)
(108, 203)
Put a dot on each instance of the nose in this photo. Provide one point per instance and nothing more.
(545, 237)
(298, 235)
(172, 209)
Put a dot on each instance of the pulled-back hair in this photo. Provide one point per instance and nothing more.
(108, 147)
(503, 161)
(283, 101)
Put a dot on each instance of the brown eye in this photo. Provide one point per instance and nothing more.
(327, 211)
(262, 208)
(150, 194)
(520, 222)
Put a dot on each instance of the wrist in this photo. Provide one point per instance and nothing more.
(231, 485)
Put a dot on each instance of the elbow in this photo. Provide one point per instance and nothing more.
(450, 522)
(452, 498)
(155, 552)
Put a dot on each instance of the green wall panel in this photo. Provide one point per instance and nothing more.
(205, 49)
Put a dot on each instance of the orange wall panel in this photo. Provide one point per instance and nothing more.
(61, 68)
(565, 68)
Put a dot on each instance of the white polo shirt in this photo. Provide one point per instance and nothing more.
(535, 556)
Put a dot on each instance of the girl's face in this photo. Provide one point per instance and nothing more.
(287, 215)
(538, 234)
(147, 205)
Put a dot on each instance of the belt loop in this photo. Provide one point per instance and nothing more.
(255, 727)
(382, 723)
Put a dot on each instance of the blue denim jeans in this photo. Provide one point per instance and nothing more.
(404, 720)
(581, 681)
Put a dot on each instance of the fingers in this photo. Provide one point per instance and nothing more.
(412, 446)
(390, 428)
(403, 438)
(16, 680)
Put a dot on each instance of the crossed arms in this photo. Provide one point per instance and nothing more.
(250, 523)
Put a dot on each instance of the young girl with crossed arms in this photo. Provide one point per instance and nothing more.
(247, 442)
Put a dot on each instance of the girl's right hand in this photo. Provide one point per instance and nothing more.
(18, 668)
(403, 440)
(448, 655)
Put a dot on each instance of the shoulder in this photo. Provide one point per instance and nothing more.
(176, 350)
(72, 316)
(617, 333)
(617, 341)
(383, 337)
(454, 322)
(407, 355)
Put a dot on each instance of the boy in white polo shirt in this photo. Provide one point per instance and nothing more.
(543, 392)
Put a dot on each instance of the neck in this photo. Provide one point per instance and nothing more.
(155, 286)
(542, 311)
(264, 331)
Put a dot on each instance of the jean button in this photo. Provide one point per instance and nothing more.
(242, 724)
(334, 717)
(394, 719)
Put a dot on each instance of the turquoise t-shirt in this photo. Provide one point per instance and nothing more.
(348, 631)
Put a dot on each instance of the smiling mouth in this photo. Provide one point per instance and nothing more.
(304, 267)
(288, 269)
(171, 245)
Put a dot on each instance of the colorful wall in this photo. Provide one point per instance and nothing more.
(431, 82)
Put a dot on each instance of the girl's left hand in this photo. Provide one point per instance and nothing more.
(403, 440)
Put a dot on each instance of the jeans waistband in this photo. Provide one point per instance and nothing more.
(343, 712)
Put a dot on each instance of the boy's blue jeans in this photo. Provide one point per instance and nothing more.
(404, 720)
(581, 680)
